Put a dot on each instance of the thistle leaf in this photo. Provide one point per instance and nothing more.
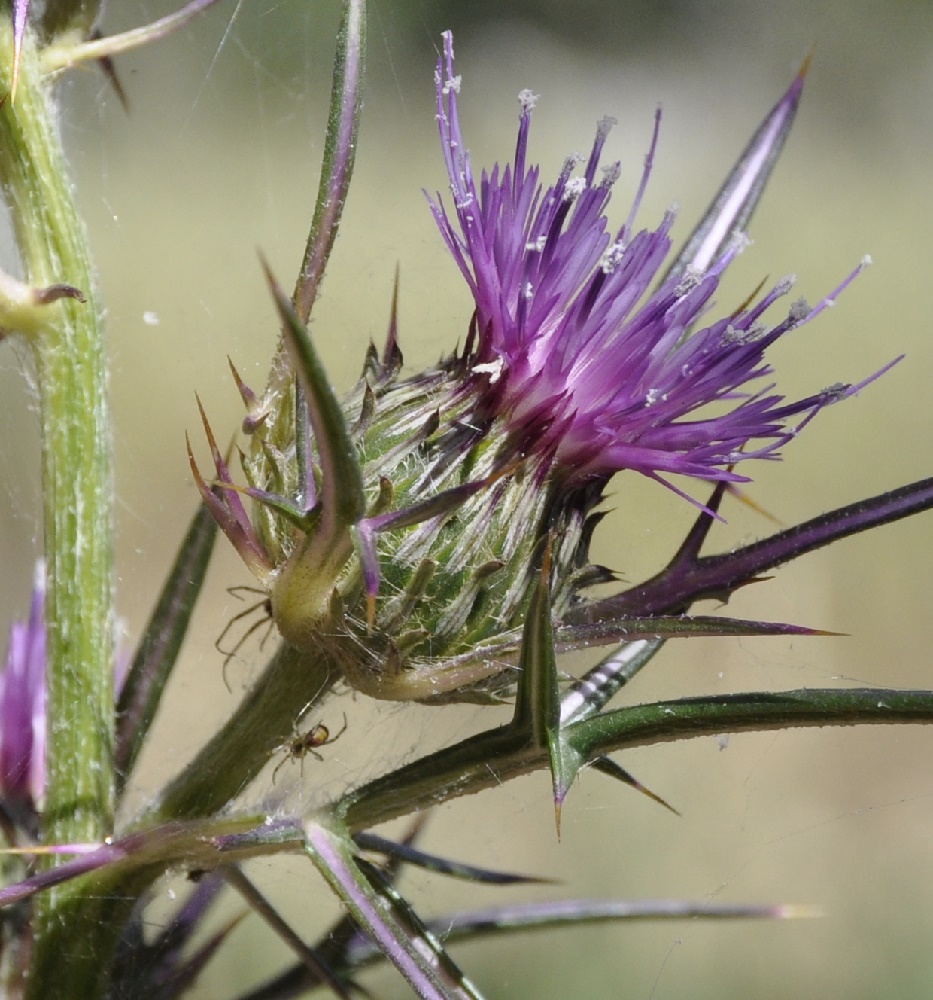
(342, 500)
(346, 103)
(402, 943)
(598, 686)
(441, 866)
(609, 630)
(737, 199)
(692, 579)
(161, 641)
(458, 984)
(58, 56)
(607, 766)
(309, 957)
(496, 921)
(537, 702)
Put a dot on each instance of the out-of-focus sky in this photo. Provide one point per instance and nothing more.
(218, 158)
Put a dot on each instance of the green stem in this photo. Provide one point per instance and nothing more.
(346, 103)
(264, 721)
(71, 367)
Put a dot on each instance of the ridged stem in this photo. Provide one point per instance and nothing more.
(77, 496)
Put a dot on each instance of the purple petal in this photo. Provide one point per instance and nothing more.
(22, 707)
(588, 352)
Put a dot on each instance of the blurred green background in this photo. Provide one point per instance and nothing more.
(218, 158)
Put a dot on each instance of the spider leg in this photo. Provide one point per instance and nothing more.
(230, 653)
(340, 732)
(280, 765)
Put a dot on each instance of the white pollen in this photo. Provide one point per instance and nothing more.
(611, 174)
(491, 368)
(453, 84)
(799, 310)
(836, 391)
(574, 187)
(605, 124)
(732, 336)
(527, 100)
(612, 257)
(151, 318)
(688, 281)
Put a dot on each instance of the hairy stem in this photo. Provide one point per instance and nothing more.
(71, 368)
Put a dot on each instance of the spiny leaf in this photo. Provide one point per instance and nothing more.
(496, 921)
(62, 56)
(596, 687)
(346, 103)
(161, 642)
(693, 579)
(342, 500)
(609, 630)
(735, 202)
(308, 956)
(400, 941)
(537, 702)
(441, 866)
(606, 765)
(458, 984)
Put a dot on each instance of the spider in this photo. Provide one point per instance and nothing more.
(302, 744)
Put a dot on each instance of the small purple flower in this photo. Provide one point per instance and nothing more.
(22, 710)
(23, 714)
(592, 358)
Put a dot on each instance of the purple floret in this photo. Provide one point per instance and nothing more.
(22, 708)
(590, 355)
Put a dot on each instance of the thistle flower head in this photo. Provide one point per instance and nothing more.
(583, 347)
(399, 531)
